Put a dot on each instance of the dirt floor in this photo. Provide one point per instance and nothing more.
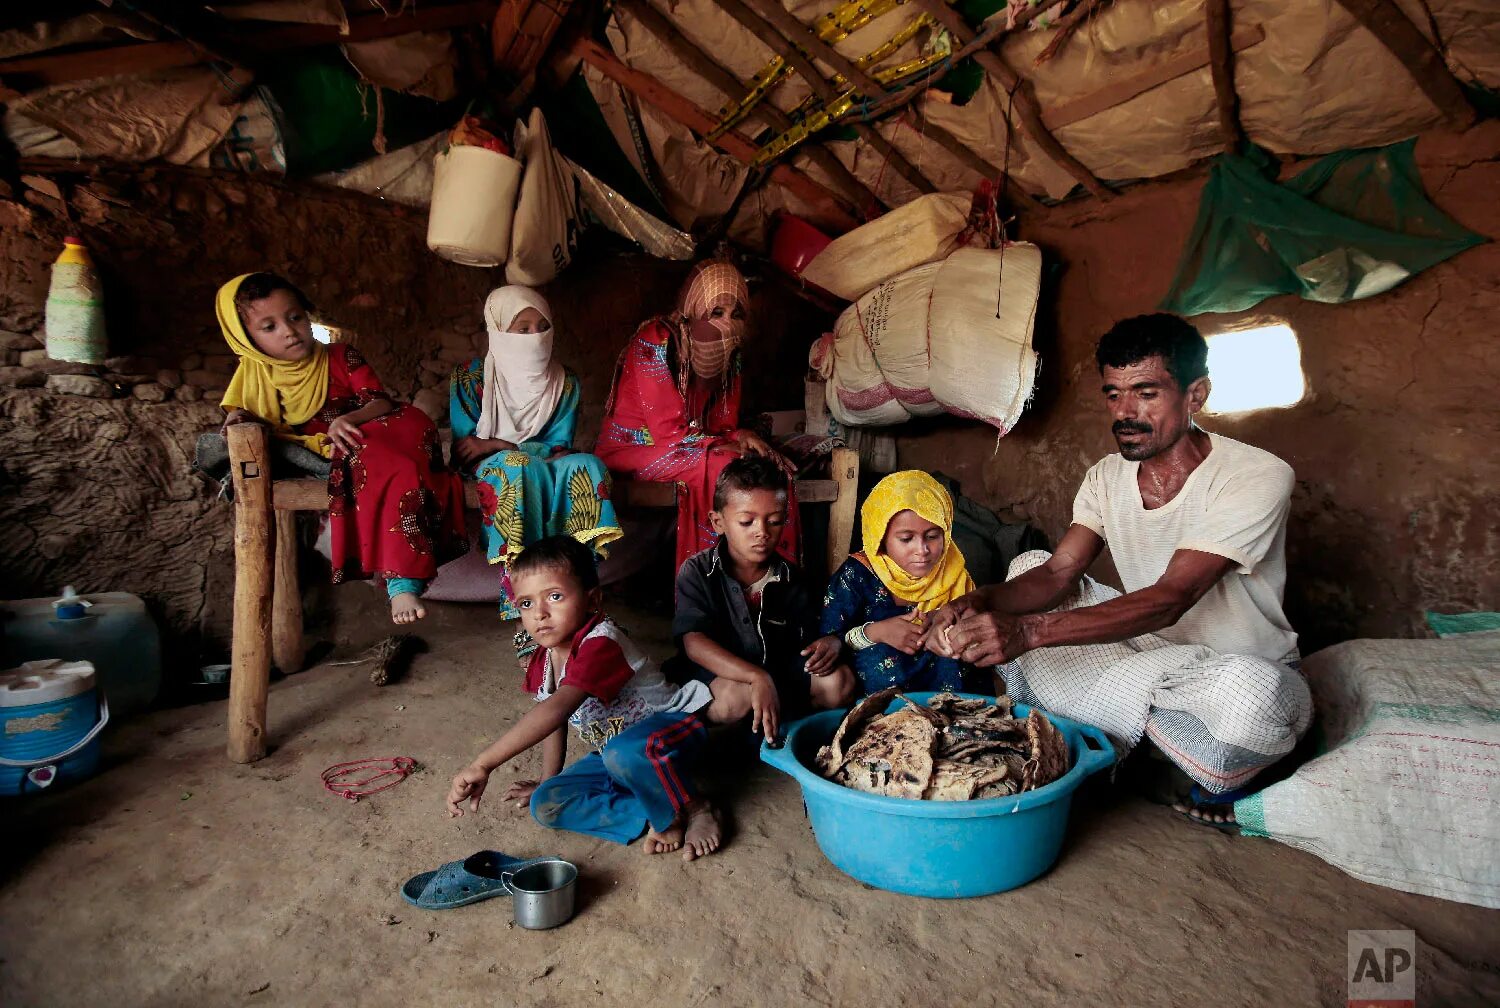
(178, 878)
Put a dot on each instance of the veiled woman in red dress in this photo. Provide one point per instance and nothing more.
(674, 409)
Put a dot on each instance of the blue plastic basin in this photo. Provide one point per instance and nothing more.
(937, 848)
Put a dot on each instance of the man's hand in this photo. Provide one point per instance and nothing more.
(469, 450)
(938, 624)
(345, 434)
(520, 792)
(469, 783)
(821, 655)
(899, 632)
(987, 639)
(765, 708)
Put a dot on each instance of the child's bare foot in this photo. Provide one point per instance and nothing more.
(664, 842)
(406, 608)
(704, 831)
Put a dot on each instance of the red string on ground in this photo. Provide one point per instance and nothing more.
(335, 778)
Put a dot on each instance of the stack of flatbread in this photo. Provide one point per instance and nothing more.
(952, 749)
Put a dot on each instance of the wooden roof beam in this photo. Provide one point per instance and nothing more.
(1026, 106)
(788, 51)
(1388, 23)
(146, 57)
(721, 78)
(826, 206)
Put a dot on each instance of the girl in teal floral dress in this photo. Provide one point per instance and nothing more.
(514, 412)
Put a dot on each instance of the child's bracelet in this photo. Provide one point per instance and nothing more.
(859, 638)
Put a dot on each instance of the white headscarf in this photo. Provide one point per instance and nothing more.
(522, 383)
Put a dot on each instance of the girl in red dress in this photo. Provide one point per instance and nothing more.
(394, 509)
(673, 412)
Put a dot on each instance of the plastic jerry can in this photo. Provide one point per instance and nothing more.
(51, 714)
(110, 630)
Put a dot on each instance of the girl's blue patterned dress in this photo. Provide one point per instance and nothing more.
(855, 597)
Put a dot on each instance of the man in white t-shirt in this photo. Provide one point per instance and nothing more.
(1196, 655)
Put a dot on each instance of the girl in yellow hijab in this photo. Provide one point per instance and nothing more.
(395, 511)
(909, 566)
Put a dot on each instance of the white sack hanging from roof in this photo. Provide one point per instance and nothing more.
(876, 359)
(544, 232)
(949, 337)
(473, 200)
(983, 313)
(925, 230)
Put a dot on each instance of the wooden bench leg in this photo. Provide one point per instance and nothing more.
(254, 546)
(845, 468)
(286, 599)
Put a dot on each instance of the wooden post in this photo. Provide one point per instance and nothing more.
(286, 598)
(845, 470)
(254, 545)
(1221, 64)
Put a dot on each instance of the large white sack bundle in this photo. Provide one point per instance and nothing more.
(544, 234)
(983, 313)
(925, 230)
(931, 340)
(1405, 793)
(875, 360)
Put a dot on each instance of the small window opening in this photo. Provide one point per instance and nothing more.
(1255, 368)
(325, 333)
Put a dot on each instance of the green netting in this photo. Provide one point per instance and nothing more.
(1453, 624)
(1352, 225)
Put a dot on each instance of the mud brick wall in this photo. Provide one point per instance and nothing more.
(95, 488)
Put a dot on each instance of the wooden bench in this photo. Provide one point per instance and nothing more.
(268, 601)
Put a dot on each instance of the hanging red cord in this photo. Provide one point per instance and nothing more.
(336, 777)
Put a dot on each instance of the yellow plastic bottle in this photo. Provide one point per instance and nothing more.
(75, 308)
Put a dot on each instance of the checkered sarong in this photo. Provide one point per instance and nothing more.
(1221, 718)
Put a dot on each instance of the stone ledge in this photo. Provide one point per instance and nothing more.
(81, 385)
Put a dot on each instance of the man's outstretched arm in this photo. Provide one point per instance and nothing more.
(1046, 585)
(994, 637)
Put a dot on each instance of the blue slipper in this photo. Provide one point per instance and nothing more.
(459, 883)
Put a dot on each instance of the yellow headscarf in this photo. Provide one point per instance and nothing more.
(283, 393)
(914, 491)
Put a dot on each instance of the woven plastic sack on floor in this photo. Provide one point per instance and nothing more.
(1402, 793)
(1353, 225)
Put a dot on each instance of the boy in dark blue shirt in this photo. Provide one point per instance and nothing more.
(745, 623)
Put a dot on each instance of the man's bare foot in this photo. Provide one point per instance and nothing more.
(1208, 813)
(406, 608)
(704, 831)
(664, 842)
